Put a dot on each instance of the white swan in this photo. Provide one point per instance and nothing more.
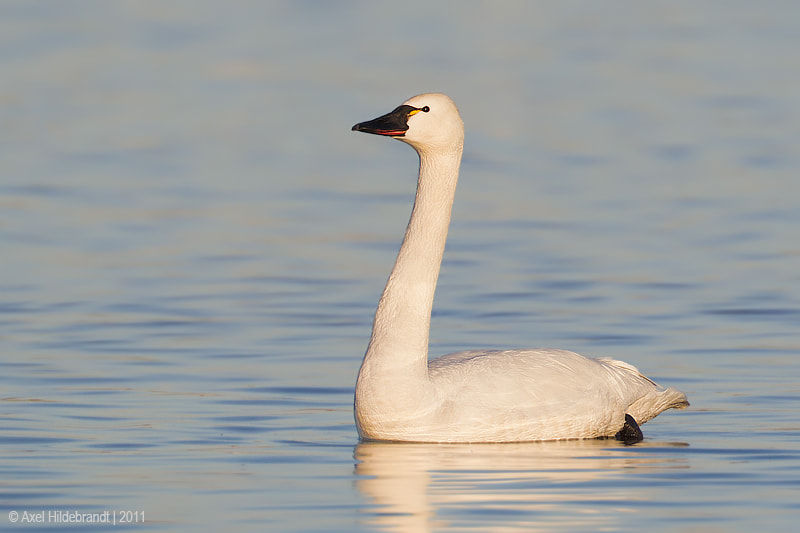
(474, 396)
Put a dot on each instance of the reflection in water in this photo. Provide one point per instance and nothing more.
(583, 483)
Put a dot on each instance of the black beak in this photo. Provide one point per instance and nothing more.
(394, 124)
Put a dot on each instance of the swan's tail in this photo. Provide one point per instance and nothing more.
(657, 402)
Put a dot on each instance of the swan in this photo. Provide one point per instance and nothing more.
(480, 395)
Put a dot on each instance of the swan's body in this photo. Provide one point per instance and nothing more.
(475, 396)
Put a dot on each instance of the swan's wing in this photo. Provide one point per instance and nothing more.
(555, 393)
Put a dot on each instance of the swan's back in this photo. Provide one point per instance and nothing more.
(518, 395)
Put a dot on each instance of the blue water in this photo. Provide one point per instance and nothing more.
(192, 244)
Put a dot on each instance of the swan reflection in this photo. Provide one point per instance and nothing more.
(536, 486)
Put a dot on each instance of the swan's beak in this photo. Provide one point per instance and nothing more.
(394, 124)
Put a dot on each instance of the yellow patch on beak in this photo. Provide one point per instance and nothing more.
(414, 112)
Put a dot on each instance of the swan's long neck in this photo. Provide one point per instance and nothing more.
(398, 350)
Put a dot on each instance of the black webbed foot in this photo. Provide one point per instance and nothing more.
(630, 432)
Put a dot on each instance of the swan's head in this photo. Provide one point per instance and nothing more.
(426, 122)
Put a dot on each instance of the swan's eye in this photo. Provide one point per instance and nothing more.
(425, 109)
